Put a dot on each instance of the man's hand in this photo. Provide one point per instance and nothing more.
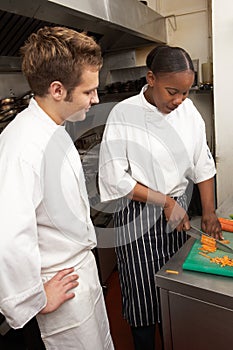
(58, 288)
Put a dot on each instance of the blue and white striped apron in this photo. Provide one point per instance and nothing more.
(143, 246)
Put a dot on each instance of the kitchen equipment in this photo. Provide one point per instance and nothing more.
(7, 101)
(25, 98)
(8, 113)
(196, 233)
(207, 72)
(197, 262)
(11, 106)
(104, 20)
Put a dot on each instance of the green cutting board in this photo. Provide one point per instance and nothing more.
(197, 262)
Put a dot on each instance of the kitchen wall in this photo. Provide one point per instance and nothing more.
(188, 26)
(223, 77)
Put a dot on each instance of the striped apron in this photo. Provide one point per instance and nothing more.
(143, 246)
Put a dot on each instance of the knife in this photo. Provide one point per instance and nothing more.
(196, 233)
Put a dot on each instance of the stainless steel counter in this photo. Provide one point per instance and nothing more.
(196, 308)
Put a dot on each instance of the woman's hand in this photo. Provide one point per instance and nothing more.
(58, 289)
(209, 221)
(211, 225)
(176, 215)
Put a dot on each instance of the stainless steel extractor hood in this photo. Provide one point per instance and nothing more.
(117, 24)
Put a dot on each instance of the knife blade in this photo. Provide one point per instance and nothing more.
(196, 233)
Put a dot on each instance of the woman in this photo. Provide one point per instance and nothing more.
(153, 146)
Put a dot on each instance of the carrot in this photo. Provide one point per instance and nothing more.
(226, 227)
(208, 244)
(226, 221)
(226, 224)
(224, 261)
(225, 241)
(174, 272)
(208, 240)
(205, 255)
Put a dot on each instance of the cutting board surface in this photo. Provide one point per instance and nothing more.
(197, 262)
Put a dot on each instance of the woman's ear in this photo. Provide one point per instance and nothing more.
(57, 90)
(150, 78)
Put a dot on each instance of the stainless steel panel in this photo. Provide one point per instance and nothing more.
(130, 15)
(199, 325)
(97, 9)
(166, 324)
(115, 24)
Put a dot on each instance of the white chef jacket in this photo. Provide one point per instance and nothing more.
(44, 212)
(160, 151)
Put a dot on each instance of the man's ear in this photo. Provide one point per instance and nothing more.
(57, 90)
(150, 78)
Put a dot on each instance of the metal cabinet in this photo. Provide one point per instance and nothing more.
(196, 308)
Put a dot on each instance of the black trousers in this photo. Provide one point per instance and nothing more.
(144, 337)
(26, 338)
(32, 337)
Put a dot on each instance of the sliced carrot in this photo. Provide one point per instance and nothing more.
(174, 272)
(225, 241)
(224, 261)
(205, 255)
(208, 244)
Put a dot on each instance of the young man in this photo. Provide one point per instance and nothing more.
(47, 266)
